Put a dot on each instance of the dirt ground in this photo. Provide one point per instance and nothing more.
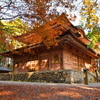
(48, 91)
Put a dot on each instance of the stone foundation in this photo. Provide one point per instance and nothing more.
(58, 76)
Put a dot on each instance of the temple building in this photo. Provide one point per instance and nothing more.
(71, 52)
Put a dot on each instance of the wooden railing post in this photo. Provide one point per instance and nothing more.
(97, 65)
(85, 72)
(97, 74)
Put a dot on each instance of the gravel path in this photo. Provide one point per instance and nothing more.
(48, 91)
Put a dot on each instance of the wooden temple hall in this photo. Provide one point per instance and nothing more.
(70, 53)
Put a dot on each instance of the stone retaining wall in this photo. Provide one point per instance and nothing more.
(59, 76)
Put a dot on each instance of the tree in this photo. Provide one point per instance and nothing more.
(45, 10)
(94, 36)
(11, 9)
(36, 11)
(89, 13)
(33, 10)
(90, 16)
(2, 38)
(7, 30)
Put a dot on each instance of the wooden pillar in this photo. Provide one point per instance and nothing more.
(62, 59)
(97, 65)
(50, 61)
(85, 72)
(39, 62)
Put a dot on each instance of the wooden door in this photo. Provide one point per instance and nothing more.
(44, 62)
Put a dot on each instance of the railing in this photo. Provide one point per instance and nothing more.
(92, 75)
(89, 77)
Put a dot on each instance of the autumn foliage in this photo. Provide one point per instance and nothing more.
(7, 30)
(37, 13)
(88, 13)
(47, 33)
